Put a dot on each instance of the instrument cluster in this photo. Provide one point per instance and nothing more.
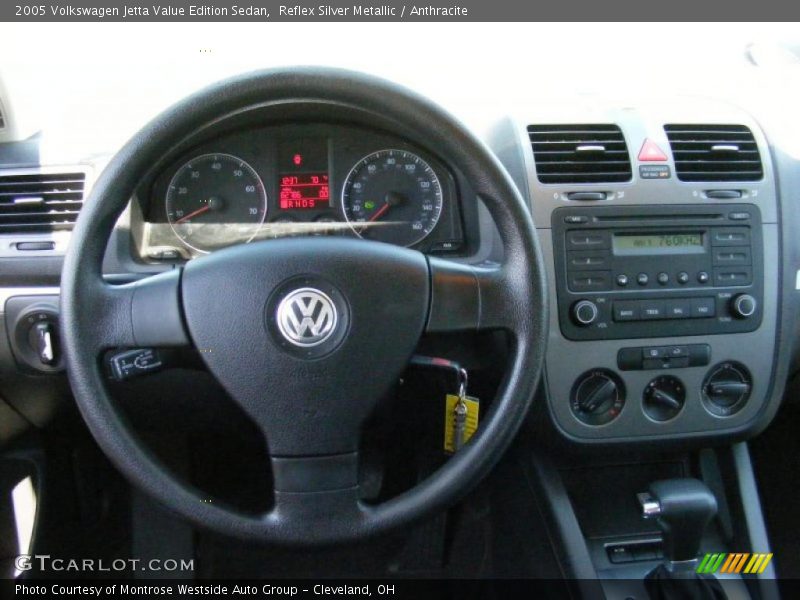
(295, 180)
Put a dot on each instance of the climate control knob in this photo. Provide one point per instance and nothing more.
(663, 398)
(743, 306)
(726, 389)
(597, 397)
(584, 312)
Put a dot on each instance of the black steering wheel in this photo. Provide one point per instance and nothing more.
(307, 379)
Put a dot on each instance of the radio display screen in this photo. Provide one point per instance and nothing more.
(660, 243)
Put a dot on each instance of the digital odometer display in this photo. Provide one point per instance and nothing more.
(662, 243)
(303, 174)
(304, 191)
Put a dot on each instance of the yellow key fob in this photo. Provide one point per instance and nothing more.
(470, 426)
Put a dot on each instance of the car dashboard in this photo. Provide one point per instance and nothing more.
(670, 274)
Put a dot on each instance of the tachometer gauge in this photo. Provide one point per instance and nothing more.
(216, 200)
(392, 196)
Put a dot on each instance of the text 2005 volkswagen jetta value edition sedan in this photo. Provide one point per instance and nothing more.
(307, 324)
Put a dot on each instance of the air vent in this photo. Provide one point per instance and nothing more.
(580, 153)
(714, 153)
(40, 202)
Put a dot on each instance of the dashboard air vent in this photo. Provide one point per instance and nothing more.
(714, 153)
(580, 153)
(33, 203)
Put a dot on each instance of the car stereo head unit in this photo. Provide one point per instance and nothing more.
(653, 271)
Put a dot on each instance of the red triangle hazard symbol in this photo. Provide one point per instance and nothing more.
(651, 151)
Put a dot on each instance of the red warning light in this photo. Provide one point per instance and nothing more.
(297, 159)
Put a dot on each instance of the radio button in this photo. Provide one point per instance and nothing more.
(703, 307)
(724, 277)
(586, 240)
(663, 278)
(683, 277)
(588, 259)
(678, 309)
(576, 219)
(622, 280)
(642, 279)
(590, 281)
(651, 309)
(731, 255)
(730, 236)
(739, 216)
(627, 311)
(702, 277)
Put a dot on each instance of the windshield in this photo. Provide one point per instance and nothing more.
(95, 84)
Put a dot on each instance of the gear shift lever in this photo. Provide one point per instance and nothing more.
(683, 508)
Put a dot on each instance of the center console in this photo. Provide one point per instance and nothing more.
(662, 256)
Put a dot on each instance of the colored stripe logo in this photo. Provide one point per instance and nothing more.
(734, 562)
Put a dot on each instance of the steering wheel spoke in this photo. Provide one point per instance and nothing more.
(469, 298)
(145, 313)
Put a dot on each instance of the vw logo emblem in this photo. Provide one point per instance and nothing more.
(307, 317)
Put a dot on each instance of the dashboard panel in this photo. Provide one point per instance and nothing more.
(662, 267)
(300, 179)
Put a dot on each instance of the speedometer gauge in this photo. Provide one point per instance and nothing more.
(216, 200)
(392, 196)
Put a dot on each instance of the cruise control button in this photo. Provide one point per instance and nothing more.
(703, 307)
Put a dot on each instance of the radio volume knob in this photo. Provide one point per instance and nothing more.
(584, 312)
(743, 306)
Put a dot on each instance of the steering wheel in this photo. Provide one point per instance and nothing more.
(305, 334)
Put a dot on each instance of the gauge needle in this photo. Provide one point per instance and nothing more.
(392, 199)
(199, 211)
(380, 212)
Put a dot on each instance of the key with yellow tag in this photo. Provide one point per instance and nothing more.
(461, 417)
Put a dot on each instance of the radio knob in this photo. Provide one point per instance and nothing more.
(743, 306)
(584, 312)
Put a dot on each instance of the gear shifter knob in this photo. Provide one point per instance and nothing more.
(683, 508)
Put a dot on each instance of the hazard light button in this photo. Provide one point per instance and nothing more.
(651, 152)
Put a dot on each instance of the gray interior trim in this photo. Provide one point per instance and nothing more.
(10, 292)
(754, 517)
